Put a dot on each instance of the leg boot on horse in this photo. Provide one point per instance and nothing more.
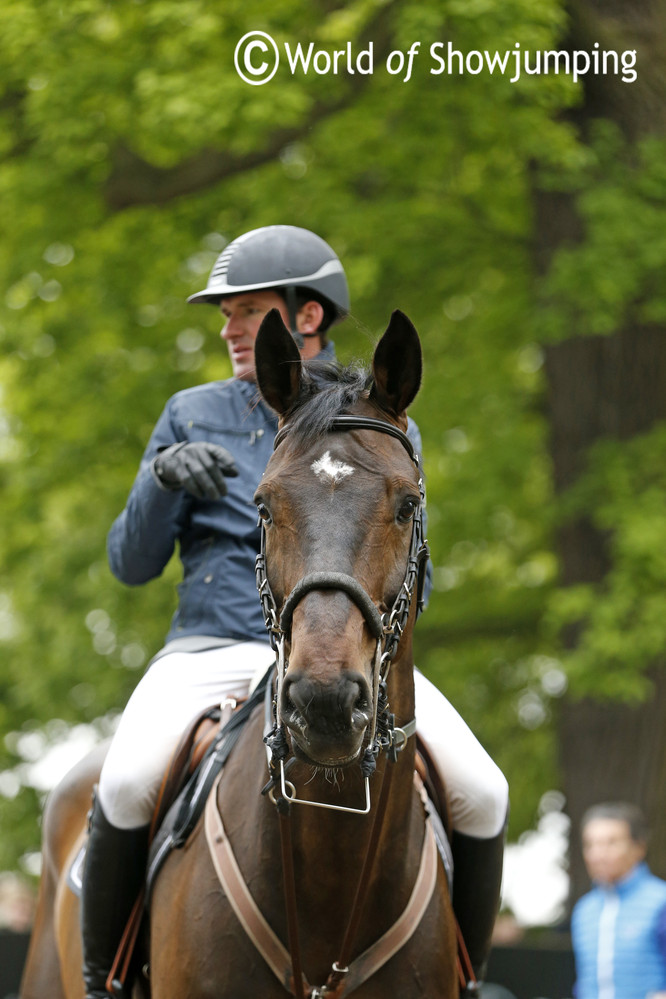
(477, 878)
(114, 871)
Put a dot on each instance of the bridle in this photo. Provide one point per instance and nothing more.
(348, 972)
(387, 628)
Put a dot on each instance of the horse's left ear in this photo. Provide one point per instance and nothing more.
(397, 366)
(277, 363)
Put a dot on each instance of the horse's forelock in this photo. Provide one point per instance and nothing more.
(327, 391)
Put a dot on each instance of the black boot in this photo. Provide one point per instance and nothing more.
(477, 879)
(114, 870)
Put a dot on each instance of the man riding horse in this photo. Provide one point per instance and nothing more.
(195, 485)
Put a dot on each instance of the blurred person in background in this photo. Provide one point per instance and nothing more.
(618, 929)
(17, 903)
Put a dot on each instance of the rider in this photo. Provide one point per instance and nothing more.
(195, 486)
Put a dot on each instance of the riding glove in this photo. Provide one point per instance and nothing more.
(199, 467)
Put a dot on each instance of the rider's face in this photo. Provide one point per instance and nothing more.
(243, 314)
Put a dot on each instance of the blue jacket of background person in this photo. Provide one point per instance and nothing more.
(219, 540)
(627, 957)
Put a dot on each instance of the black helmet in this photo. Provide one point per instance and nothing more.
(279, 256)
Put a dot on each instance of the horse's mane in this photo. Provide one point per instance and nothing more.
(327, 390)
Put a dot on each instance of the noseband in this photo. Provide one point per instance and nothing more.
(386, 629)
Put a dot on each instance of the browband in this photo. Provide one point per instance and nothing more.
(349, 422)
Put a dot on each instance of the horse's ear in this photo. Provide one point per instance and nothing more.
(397, 366)
(277, 363)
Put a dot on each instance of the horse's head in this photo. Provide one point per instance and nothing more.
(338, 506)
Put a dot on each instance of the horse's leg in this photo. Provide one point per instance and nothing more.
(53, 964)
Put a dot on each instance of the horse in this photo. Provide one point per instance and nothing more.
(330, 876)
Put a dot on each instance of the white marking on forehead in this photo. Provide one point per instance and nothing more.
(335, 470)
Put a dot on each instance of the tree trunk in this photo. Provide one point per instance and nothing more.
(614, 387)
(606, 387)
(614, 752)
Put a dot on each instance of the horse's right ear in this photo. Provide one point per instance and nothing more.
(277, 363)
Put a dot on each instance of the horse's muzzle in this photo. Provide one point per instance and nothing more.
(327, 721)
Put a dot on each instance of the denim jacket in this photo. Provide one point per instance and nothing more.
(218, 540)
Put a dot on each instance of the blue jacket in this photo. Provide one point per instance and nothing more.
(619, 938)
(218, 540)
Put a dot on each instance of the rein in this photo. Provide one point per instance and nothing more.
(387, 630)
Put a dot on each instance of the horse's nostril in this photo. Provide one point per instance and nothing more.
(360, 707)
(342, 704)
(287, 701)
(362, 702)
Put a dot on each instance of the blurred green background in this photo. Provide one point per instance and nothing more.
(522, 227)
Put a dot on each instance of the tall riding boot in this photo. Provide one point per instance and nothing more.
(115, 867)
(477, 879)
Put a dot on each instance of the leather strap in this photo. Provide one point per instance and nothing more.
(270, 946)
(226, 867)
(466, 975)
(350, 422)
(333, 581)
(397, 936)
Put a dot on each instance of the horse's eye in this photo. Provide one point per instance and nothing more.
(407, 510)
(264, 513)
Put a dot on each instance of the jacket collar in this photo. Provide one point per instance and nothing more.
(253, 396)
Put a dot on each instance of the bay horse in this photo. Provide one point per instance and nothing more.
(338, 885)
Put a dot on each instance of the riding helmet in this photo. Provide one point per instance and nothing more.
(279, 256)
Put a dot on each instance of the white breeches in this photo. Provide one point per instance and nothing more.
(180, 685)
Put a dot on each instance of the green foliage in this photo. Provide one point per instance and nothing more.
(616, 274)
(130, 153)
(624, 624)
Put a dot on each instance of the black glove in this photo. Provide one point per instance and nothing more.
(198, 466)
